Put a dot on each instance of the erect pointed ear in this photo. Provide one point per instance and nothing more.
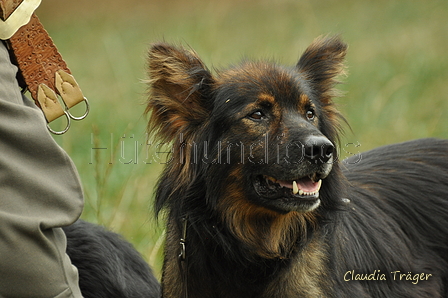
(180, 91)
(321, 63)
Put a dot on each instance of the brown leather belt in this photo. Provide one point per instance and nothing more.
(44, 73)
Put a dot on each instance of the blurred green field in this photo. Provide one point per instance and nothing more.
(396, 89)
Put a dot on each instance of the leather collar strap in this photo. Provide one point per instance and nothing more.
(45, 74)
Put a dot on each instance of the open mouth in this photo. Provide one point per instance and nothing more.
(295, 194)
(307, 186)
(303, 186)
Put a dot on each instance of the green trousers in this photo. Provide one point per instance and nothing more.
(40, 192)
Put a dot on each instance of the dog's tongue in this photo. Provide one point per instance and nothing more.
(304, 184)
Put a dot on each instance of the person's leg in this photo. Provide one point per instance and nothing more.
(40, 192)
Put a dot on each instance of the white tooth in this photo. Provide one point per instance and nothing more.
(295, 188)
(301, 192)
(319, 185)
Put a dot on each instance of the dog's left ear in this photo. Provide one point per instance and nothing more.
(180, 88)
(321, 63)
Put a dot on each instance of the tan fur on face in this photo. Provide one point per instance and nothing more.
(303, 102)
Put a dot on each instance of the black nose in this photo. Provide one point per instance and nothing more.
(318, 149)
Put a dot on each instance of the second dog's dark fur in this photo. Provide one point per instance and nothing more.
(108, 266)
(255, 192)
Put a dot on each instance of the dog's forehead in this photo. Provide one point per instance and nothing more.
(253, 81)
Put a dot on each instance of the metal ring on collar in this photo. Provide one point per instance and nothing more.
(64, 130)
(83, 116)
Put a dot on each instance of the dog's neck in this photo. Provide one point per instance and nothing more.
(216, 264)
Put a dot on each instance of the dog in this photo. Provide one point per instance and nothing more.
(258, 203)
(108, 266)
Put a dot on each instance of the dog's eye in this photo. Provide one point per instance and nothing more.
(310, 114)
(258, 115)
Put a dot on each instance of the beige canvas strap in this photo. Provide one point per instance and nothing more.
(44, 72)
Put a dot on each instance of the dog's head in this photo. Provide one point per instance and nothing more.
(254, 140)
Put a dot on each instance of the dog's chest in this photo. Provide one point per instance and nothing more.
(306, 278)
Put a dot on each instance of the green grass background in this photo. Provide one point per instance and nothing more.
(397, 88)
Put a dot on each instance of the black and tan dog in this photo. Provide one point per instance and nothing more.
(258, 203)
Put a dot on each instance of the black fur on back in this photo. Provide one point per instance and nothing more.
(397, 220)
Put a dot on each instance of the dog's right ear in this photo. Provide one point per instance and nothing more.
(180, 89)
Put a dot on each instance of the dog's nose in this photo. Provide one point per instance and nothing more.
(318, 149)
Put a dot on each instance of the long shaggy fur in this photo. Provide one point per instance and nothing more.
(240, 137)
